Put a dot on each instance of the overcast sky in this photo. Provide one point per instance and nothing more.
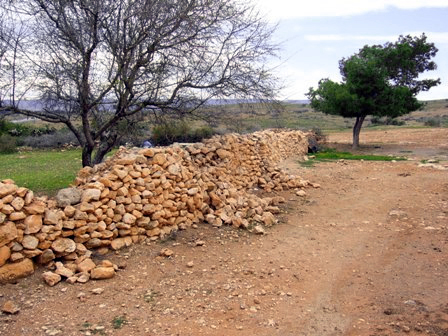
(316, 34)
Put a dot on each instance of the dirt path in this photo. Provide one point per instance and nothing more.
(365, 254)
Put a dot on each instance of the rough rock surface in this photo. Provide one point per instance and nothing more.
(143, 195)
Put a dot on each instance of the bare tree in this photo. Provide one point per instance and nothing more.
(98, 63)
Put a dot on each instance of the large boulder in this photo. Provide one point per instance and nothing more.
(21, 269)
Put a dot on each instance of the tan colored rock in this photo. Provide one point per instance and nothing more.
(35, 208)
(86, 265)
(106, 263)
(16, 216)
(223, 154)
(86, 207)
(166, 252)
(123, 191)
(63, 271)
(33, 224)
(258, 229)
(10, 307)
(301, 193)
(120, 173)
(8, 232)
(29, 197)
(16, 256)
(117, 244)
(46, 256)
(192, 191)
(94, 242)
(51, 279)
(68, 196)
(100, 273)
(268, 219)
(148, 152)
(129, 219)
(21, 192)
(21, 269)
(32, 253)
(5, 253)
(63, 246)
(2, 217)
(159, 159)
(18, 203)
(30, 242)
(174, 169)
(7, 189)
(7, 209)
(69, 211)
(83, 277)
(90, 195)
(52, 217)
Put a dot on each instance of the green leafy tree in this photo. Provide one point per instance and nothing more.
(380, 80)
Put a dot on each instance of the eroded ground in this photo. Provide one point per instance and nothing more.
(365, 254)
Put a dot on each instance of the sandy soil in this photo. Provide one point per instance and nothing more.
(365, 254)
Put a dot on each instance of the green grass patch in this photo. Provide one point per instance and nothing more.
(331, 154)
(118, 322)
(44, 172)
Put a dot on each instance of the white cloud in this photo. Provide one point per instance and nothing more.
(337, 37)
(288, 9)
(436, 38)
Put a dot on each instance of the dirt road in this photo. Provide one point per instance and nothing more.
(365, 254)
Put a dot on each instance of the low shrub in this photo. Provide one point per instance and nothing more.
(58, 139)
(166, 134)
(433, 122)
(23, 130)
(8, 144)
(386, 121)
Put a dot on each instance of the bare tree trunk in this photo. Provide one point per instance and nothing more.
(357, 130)
(87, 155)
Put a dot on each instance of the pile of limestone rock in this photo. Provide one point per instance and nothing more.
(144, 194)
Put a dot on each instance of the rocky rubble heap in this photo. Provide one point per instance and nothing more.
(144, 194)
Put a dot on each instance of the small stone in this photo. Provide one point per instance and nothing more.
(86, 266)
(63, 271)
(166, 252)
(100, 273)
(199, 243)
(51, 278)
(97, 291)
(72, 280)
(106, 263)
(301, 193)
(258, 229)
(46, 256)
(83, 277)
(398, 213)
(9, 307)
(117, 244)
(190, 264)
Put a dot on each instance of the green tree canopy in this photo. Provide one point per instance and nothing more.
(380, 80)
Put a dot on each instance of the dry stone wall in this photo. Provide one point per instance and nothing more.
(144, 194)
